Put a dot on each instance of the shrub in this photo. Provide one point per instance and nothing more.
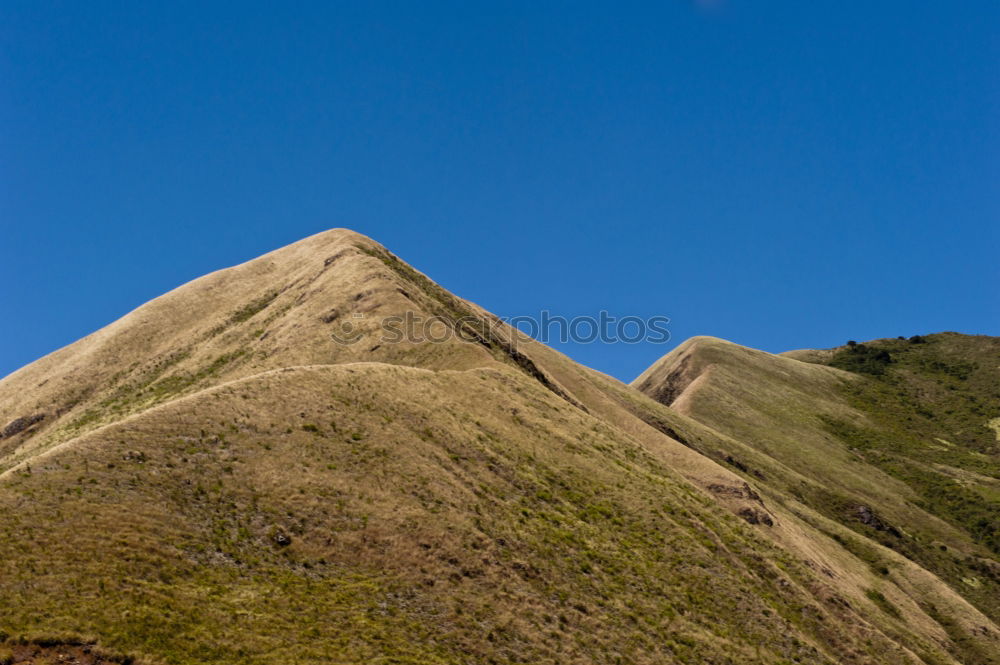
(883, 603)
(862, 359)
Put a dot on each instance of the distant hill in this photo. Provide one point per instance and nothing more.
(214, 479)
(897, 440)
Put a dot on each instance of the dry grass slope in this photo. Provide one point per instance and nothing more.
(211, 480)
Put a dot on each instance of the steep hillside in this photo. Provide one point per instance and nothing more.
(894, 439)
(276, 311)
(213, 479)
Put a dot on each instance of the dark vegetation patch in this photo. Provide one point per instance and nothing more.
(883, 603)
(862, 548)
(246, 312)
(862, 359)
(739, 465)
(252, 308)
(21, 424)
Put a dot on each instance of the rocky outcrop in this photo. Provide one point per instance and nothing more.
(18, 425)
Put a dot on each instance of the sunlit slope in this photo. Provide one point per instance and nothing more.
(213, 479)
(902, 453)
(775, 405)
(279, 310)
(371, 511)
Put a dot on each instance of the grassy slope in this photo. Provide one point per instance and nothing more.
(214, 482)
(931, 412)
(275, 311)
(909, 441)
(428, 523)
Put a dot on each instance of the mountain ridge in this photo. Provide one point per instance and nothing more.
(858, 440)
(216, 454)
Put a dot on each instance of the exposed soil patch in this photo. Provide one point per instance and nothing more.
(867, 516)
(745, 492)
(754, 516)
(674, 384)
(63, 654)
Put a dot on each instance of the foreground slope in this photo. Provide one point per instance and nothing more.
(212, 480)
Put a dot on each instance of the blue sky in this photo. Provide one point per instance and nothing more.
(781, 174)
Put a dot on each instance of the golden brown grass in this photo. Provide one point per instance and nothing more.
(215, 482)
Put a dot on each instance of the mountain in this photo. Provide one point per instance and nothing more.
(897, 440)
(215, 479)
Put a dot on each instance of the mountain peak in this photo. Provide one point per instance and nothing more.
(247, 469)
(332, 298)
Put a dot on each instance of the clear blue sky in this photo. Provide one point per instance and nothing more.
(781, 174)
